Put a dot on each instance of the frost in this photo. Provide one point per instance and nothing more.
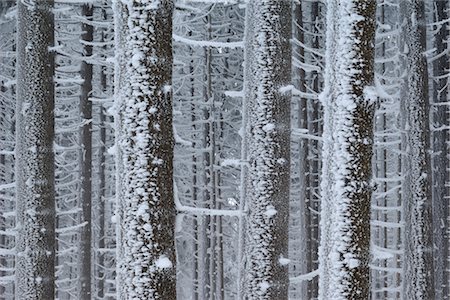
(270, 211)
(112, 150)
(152, 110)
(163, 262)
(264, 286)
(284, 261)
(268, 127)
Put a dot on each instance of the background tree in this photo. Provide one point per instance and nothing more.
(440, 134)
(417, 204)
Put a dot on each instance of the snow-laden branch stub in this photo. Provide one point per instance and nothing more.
(370, 94)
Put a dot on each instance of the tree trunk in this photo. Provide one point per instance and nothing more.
(348, 103)
(35, 275)
(86, 158)
(440, 159)
(146, 210)
(267, 132)
(417, 206)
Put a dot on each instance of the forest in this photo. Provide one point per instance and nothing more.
(224, 149)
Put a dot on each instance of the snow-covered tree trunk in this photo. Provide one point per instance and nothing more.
(417, 201)
(267, 132)
(144, 138)
(440, 150)
(35, 246)
(348, 102)
(84, 282)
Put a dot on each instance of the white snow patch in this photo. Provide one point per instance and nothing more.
(230, 162)
(284, 261)
(152, 110)
(264, 286)
(370, 94)
(270, 211)
(112, 150)
(163, 262)
(268, 127)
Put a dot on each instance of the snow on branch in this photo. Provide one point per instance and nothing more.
(201, 211)
(304, 134)
(70, 229)
(194, 43)
(7, 186)
(305, 277)
(296, 92)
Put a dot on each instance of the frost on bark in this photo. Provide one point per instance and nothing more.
(146, 211)
(417, 206)
(440, 150)
(86, 159)
(268, 68)
(348, 102)
(35, 246)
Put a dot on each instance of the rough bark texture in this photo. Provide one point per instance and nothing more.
(86, 160)
(440, 152)
(146, 211)
(34, 152)
(347, 150)
(417, 200)
(268, 134)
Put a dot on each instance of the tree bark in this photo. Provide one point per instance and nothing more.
(348, 102)
(417, 200)
(86, 158)
(268, 71)
(146, 210)
(440, 150)
(34, 152)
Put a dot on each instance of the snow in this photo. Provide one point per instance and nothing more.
(341, 253)
(284, 261)
(163, 262)
(270, 211)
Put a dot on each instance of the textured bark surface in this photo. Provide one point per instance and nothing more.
(440, 152)
(418, 280)
(34, 152)
(347, 150)
(268, 68)
(146, 210)
(86, 159)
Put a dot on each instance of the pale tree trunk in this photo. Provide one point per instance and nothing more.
(348, 137)
(417, 201)
(267, 132)
(146, 210)
(440, 150)
(35, 276)
(86, 158)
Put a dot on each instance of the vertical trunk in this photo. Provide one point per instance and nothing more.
(146, 262)
(267, 132)
(102, 181)
(86, 157)
(102, 204)
(346, 189)
(35, 245)
(301, 196)
(417, 206)
(441, 163)
(314, 119)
